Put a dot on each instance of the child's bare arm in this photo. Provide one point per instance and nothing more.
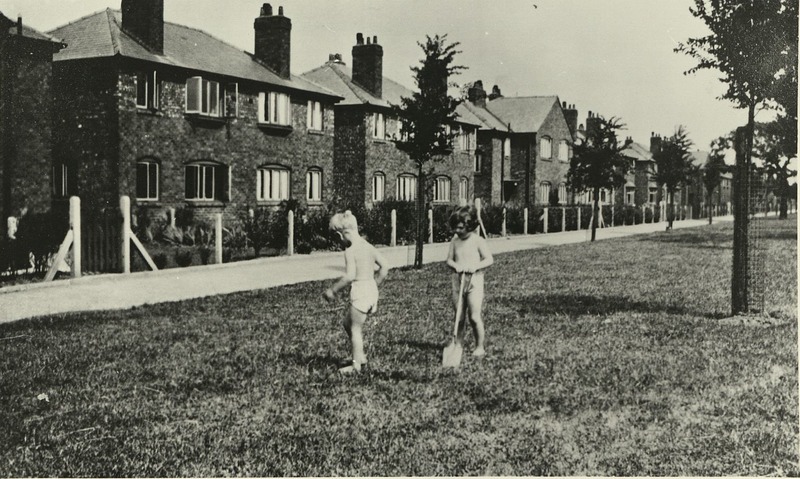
(486, 255)
(347, 278)
(383, 266)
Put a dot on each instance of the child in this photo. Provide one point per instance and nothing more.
(469, 254)
(360, 259)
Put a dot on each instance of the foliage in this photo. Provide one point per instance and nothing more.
(183, 257)
(769, 145)
(426, 117)
(673, 164)
(608, 369)
(597, 162)
(714, 168)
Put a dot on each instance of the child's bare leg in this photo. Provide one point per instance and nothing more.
(357, 319)
(475, 302)
(463, 317)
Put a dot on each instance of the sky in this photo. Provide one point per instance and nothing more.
(612, 57)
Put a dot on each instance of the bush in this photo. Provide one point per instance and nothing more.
(160, 260)
(183, 257)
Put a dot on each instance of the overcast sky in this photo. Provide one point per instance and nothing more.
(614, 57)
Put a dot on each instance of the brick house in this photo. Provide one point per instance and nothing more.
(535, 161)
(368, 167)
(26, 118)
(175, 118)
(695, 194)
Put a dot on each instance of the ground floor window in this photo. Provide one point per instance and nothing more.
(314, 185)
(147, 180)
(272, 183)
(463, 189)
(406, 187)
(441, 190)
(378, 187)
(544, 192)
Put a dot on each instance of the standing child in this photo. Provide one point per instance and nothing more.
(360, 259)
(469, 254)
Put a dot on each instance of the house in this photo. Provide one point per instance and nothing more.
(640, 187)
(176, 118)
(26, 118)
(696, 195)
(368, 165)
(540, 145)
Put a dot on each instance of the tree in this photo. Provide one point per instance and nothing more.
(714, 168)
(425, 118)
(673, 166)
(597, 163)
(769, 145)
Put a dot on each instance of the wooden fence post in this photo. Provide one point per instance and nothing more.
(430, 226)
(578, 228)
(125, 208)
(525, 221)
(218, 238)
(290, 243)
(503, 232)
(564, 219)
(612, 216)
(75, 222)
(393, 240)
(171, 214)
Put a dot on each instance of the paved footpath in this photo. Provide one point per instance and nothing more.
(121, 291)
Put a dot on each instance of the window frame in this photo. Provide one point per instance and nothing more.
(64, 188)
(315, 115)
(270, 104)
(378, 126)
(210, 98)
(546, 148)
(441, 189)
(149, 163)
(200, 181)
(284, 185)
(544, 196)
(314, 191)
(378, 186)
(148, 90)
(563, 147)
(563, 194)
(463, 189)
(409, 193)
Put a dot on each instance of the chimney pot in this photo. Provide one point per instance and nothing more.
(273, 40)
(375, 39)
(19, 25)
(359, 39)
(564, 104)
(368, 65)
(331, 57)
(280, 10)
(266, 10)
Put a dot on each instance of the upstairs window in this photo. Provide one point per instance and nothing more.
(204, 97)
(406, 187)
(314, 185)
(467, 139)
(274, 108)
(507, 148)
(378, 126)
(147, 180)
(545, 148)
(207, 181)
(478, 163)
(272, 183)
(441, 190)
(563, 150)
(148, 90)
(378, 187)
(314, 116)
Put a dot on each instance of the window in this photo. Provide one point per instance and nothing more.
(562, 194)
(148, 90)
(274, 108)
(563, 150)
(207, 181)
(378, 187)
(63, 180)
(630, 191)
(147, 180)
(406, 187)
(314, 185)
(272, 183)
(314, 116)
(467, 139)
(206, 97)
(463, 189)
(378, 126)
(652, 195)
(507, 148)
(478, 162)
(441, 189)
(544, 192)
(545, 148)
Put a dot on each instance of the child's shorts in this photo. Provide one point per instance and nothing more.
(364, 295)
(475, 285)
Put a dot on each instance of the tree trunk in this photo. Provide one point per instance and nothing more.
(710, 207)
(420, 217)
(671, 214)
(595, 210)
(743, 145)
(784, 208)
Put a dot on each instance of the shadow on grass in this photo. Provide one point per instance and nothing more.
(705, 239)
(313, 362)
(578, 305)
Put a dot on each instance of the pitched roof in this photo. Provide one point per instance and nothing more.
(100, 35)
(338, 78)
(487, 120)
(638, 152)
(526, 114)
(27, 31)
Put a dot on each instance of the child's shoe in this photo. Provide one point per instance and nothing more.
(352, 368)
(479, 352)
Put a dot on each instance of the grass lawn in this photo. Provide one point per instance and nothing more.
(612, 358)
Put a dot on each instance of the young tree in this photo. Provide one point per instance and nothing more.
(674, 168)
(425, 134)
(713, 169)
(597, 163)
(770, 146)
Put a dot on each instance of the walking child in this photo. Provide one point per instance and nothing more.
(360, 259)
(469, 254)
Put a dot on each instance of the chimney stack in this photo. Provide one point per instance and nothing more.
(592, 124)
(476, 94)
(144, 20)
(571, 116)
(273, 40)
(495, 93)
(368, 65)
(655, 143)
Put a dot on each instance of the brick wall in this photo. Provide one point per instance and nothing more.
(553, 170)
